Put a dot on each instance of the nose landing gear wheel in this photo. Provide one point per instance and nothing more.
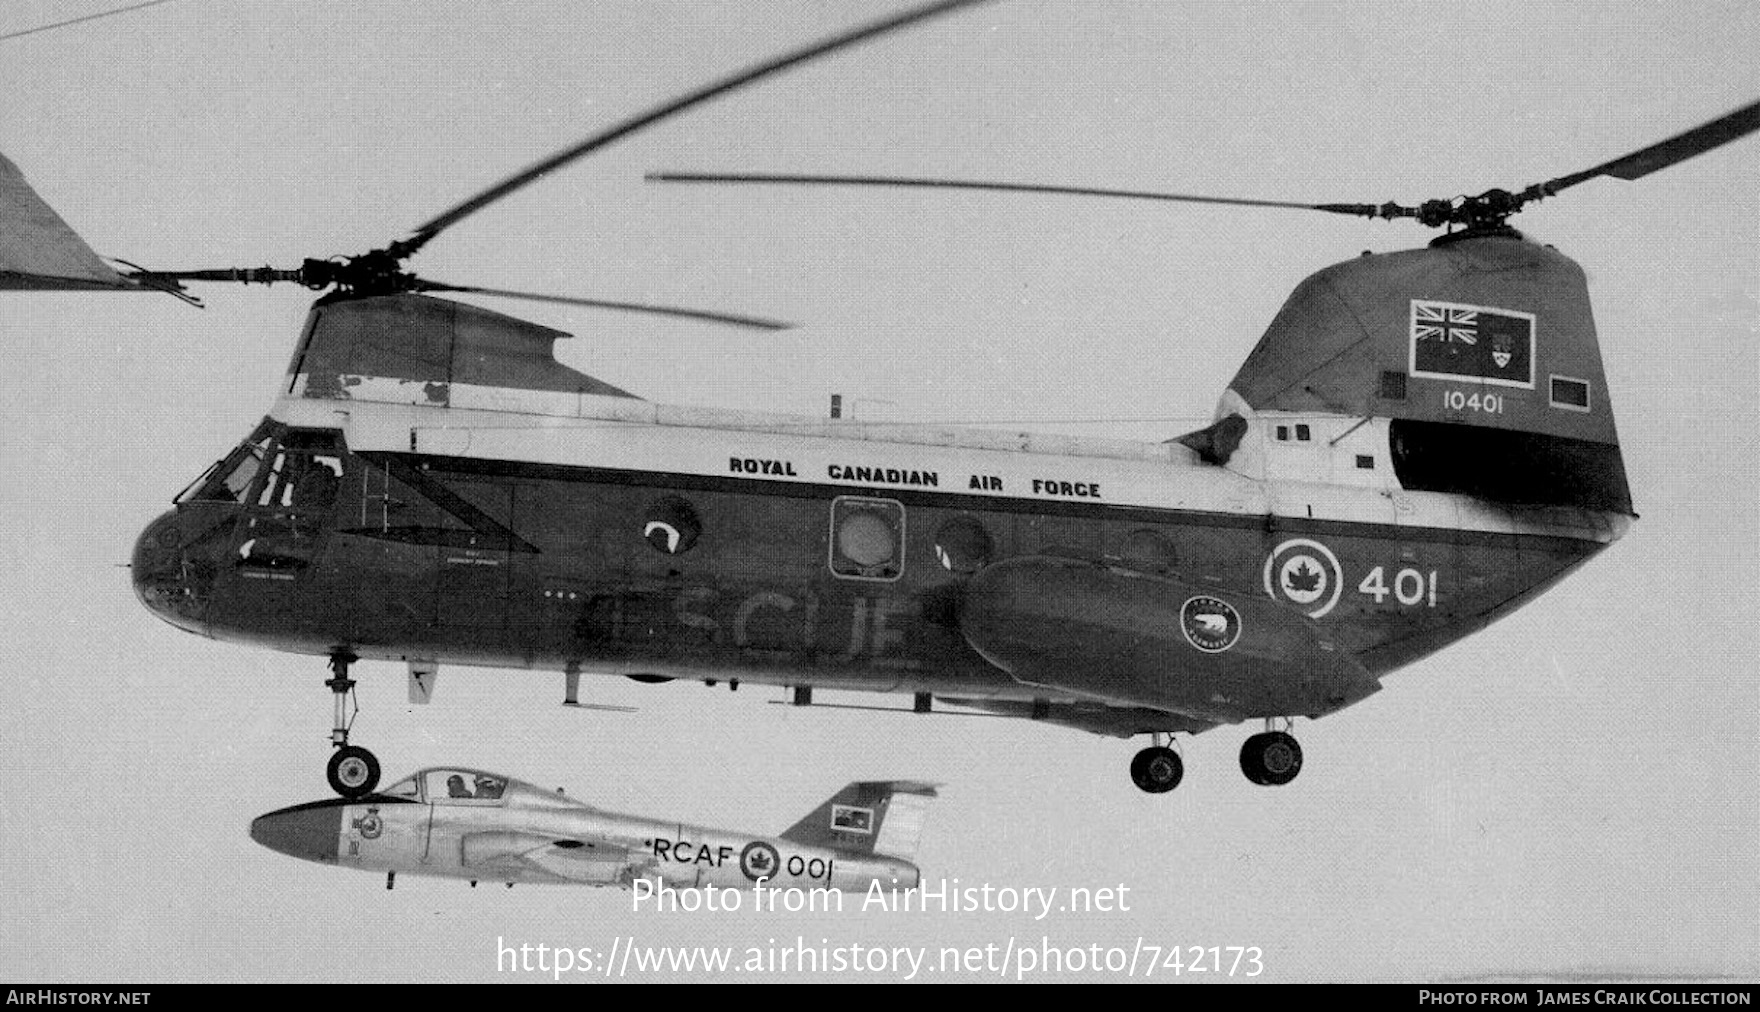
(352, 771)
(1271, 759)
(1157, 769)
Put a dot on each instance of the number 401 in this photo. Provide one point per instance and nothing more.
(1410, 586)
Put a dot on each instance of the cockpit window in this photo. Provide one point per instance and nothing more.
(405, 788)
(453, 787)
(230, 479)
(304, 471)
(238, 481)
(301, 481)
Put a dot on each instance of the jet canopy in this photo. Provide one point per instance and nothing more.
(452, 785)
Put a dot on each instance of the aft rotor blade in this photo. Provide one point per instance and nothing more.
(1678, 148)
(1361, 210)
(729, 319)
(405, 247)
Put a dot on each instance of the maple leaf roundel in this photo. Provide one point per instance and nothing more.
(1305, 574)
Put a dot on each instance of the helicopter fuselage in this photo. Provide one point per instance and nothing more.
(1420, 443)
(632, 538)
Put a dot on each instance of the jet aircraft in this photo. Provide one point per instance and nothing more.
(456, 822)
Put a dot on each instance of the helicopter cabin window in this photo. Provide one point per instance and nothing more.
(463, 787)
(1570, 394)
(1365, 462)
(867, 538)
(671, 526)
(1283, 433)
(1303, 433)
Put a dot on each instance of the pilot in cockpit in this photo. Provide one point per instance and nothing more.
(455, 787)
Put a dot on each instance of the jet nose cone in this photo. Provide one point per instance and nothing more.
(305, 831)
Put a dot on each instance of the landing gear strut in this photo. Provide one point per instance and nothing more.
(1157, 769)
(1272, 758)
(352, 770)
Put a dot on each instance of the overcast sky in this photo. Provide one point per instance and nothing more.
(1572, 790)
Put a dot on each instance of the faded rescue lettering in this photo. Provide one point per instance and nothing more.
(768, 620)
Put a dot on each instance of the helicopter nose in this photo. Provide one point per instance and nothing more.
(304, 831)
(163, 579)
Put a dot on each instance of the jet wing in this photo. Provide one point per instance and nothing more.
(538, 856)
(38, 251)
(1141, 640)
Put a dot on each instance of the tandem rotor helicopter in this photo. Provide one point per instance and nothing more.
(1421, 443)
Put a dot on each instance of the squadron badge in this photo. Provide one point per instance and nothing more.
(1210, 623)
(369, 825)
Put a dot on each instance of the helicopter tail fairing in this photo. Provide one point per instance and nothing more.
(1471, 366)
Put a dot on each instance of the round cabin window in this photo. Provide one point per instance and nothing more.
(670, 526)
(962, 545)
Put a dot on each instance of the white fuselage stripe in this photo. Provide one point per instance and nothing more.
(632, 435)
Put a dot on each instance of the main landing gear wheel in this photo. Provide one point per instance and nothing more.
(1271, 759)
(1157, 769)
(352, 771)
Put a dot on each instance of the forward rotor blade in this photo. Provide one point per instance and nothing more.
(1360, 210)
(1678, 148)
(405, 247)
(730, 319)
